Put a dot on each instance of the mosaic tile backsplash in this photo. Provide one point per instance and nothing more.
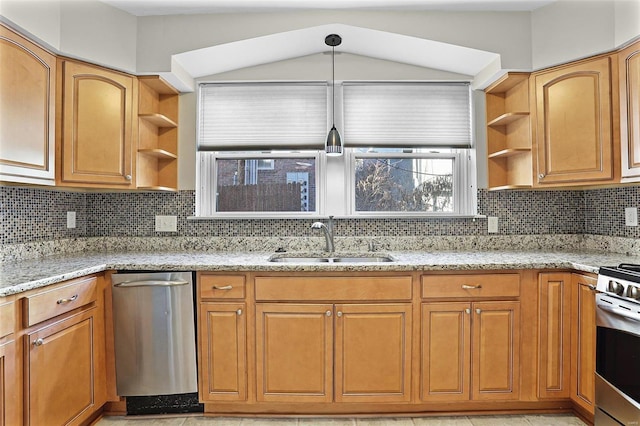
(29, 215)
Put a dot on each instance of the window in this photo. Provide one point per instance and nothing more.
(407, 150)
(407, 182)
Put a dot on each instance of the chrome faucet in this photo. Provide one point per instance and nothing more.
(328, 233)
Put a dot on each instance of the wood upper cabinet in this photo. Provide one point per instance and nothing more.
(583, 341)
(27, 110)
(223, 361)
(554, 295)
(573, 107)
(629, 81)
(294, 352)
(470, 351)
(96, 107)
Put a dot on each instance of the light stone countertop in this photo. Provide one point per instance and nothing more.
(20, 276)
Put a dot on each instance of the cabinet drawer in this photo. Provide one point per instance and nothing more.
(48, 304)
(7, 318)
(222, 286)
(471, 285)
(333, 288)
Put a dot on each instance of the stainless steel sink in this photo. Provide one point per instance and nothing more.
(330, 259)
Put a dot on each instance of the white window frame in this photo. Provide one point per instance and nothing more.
(207, 183)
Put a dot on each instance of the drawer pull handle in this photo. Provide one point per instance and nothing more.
(71, 299)
(38, 342)
(222, 287)
(471, 287)
(239, 312)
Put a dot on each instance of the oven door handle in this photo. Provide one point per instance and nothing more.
(620, 312)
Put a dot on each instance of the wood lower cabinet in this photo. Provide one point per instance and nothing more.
(223, 363)
(63, 353)
(470, 351)
(96, 145)
(373, 352)
(294, 352)
(583, 342)
(27, 110)
(629, 81)
(554, 296)
(298, 358)
(9, 396)
(573, 107)
(60, 372)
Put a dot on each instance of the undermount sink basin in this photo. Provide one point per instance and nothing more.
(331, 259)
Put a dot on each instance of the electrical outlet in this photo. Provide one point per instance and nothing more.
(631, 216)
(71, 220)
(166, 223)
(492, 224)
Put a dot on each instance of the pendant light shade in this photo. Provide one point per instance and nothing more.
(333, 147)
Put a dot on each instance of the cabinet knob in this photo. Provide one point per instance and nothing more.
(239, 312)
(591, 286)
(328, 313)
(478, 311)
(339, 314)
(38, 342)
(127, 177)
(541, 176)
(467, 311)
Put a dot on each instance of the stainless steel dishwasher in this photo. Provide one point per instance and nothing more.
(154, 333)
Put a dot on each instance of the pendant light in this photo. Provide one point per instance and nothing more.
(333, 146)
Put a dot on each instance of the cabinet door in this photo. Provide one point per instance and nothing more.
(60, 372)
(9, 397)
(223, 361)
(583, 342)
(629, 78)
(96, 146)
(446, 351)
(294, 352)
(554, 295)
(27, 110)
(373, 353)
(495, 351)
(573, 123)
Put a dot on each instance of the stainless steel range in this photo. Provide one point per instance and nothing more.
(618, 346)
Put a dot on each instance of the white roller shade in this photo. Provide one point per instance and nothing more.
(262, 116)
(407, 114)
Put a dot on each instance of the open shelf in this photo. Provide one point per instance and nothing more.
(509, 133)
(157, 160)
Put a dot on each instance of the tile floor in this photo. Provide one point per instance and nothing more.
(522, 420)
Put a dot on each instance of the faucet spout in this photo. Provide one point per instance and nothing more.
(328, 233)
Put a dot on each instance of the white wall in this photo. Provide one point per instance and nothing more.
(89, 30)
(627, 21)
(507, 33)
(567, 29)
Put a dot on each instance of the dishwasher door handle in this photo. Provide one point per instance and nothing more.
(150, 283)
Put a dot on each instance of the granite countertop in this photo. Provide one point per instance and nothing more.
(20, 276)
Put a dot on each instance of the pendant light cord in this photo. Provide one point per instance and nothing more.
(333, 84)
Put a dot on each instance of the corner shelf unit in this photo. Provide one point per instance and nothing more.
(509, 132)
(157, 160)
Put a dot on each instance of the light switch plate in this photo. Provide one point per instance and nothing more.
(631, 216)
(166, 223)
(71, 220)
(492, 224)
